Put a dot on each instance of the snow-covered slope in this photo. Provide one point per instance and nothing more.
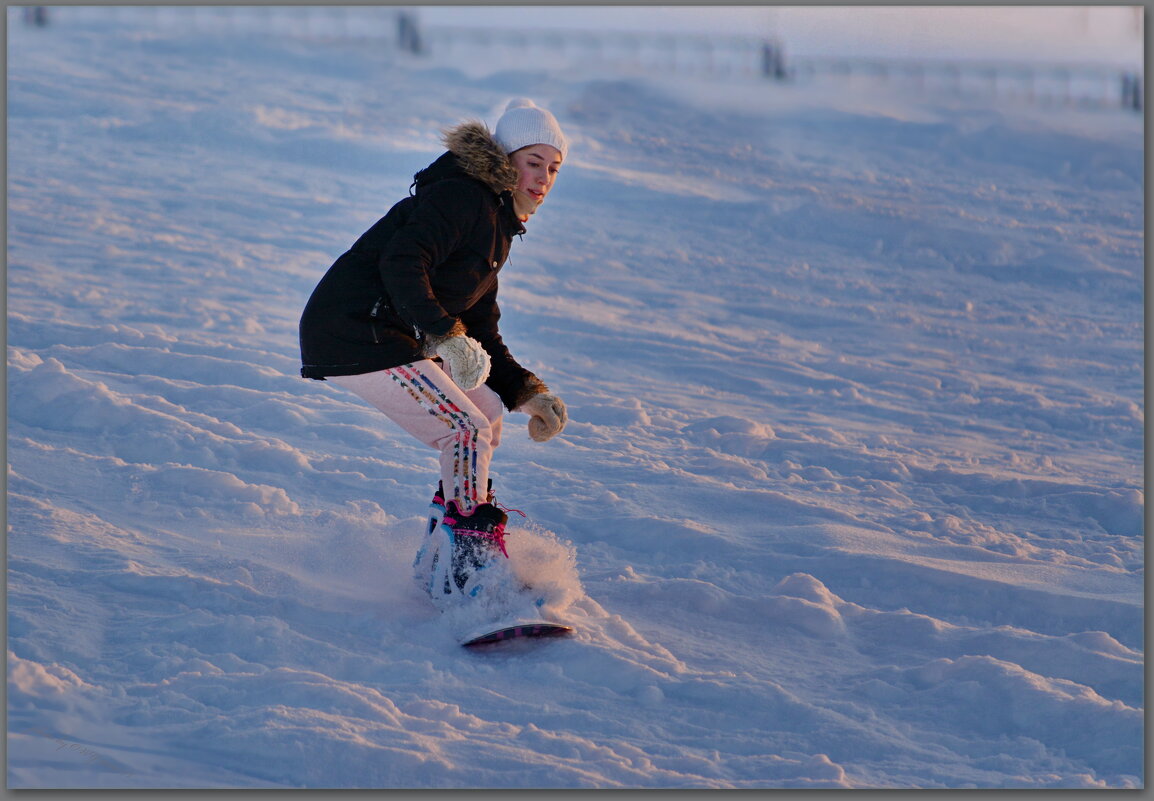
(852, 494)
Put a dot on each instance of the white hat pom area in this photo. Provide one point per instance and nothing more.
(525, 123)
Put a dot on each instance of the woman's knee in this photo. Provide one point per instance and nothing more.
(471, 431)
(489, 402)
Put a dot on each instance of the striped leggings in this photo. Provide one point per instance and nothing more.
(464, 427)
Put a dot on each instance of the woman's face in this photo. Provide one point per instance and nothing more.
(537, 167)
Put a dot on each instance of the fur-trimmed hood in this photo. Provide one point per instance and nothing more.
(480, 156)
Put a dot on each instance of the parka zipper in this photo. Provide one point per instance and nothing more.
(376, 310)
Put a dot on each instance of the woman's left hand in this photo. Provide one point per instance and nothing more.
(547, 416)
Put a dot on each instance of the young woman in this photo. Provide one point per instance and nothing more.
(408, 319)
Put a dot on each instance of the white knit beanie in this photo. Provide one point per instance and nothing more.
(525, 123)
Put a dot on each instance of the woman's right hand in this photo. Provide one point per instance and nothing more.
(467, 361)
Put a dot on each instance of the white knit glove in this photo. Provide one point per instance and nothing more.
(468, 362)
(547, 416)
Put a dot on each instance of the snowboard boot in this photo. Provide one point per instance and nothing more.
(445, 560)
(437, 506)
(478, 540)
(437, 509)
(425, 562)
(479, 568)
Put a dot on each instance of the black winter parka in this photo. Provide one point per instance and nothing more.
(431, 261)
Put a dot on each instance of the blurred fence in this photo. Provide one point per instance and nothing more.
(701, 55)
(379, 24)
(706, 56)
(1038, 83)
(722, 57)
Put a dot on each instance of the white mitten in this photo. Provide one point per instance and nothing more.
(467, 360)
(547, 416)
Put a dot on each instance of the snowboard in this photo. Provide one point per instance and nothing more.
(516, 631)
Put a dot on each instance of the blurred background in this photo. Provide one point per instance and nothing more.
(1103, 34)
(1086, 55)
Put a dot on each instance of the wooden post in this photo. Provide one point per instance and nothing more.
(1132, 91)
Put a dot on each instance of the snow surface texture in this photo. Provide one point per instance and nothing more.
(851, 496)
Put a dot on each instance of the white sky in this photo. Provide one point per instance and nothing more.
(1108, 34)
